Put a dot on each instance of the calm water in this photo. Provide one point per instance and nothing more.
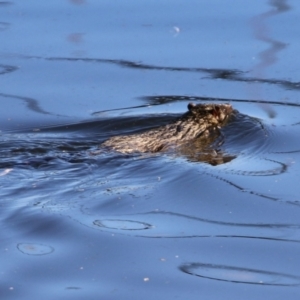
(82, 224)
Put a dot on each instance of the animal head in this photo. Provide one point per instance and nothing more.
(218, 113)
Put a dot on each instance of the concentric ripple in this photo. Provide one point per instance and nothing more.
(34, 249)
(122, 224)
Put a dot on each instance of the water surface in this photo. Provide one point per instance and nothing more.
(82, 224)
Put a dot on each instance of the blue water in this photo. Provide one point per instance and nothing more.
(79, 223)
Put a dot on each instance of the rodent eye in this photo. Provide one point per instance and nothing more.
(191, 105)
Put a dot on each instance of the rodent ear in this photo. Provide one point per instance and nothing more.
(216, 111)
(191, 105)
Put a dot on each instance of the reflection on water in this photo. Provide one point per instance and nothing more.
(270, 56)
(261, 32)
(31, 104)
(226, 74)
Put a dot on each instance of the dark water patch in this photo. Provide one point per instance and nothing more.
(35, 249)
(32, 104)
(100, 128)
(4, 69)
(287, 152)
(139, 65)
(239, 275)
(6, 3)
(286, 84)
(36, 153)
(4, 26)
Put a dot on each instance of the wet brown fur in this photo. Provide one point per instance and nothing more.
(200, 123)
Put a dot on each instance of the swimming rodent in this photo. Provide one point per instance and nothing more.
(192, 132)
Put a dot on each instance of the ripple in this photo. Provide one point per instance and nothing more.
(248, 166)
(34, 249)
(122, 224)
(239, 275)
(174, 225)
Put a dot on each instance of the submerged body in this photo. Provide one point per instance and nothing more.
(192, 131)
